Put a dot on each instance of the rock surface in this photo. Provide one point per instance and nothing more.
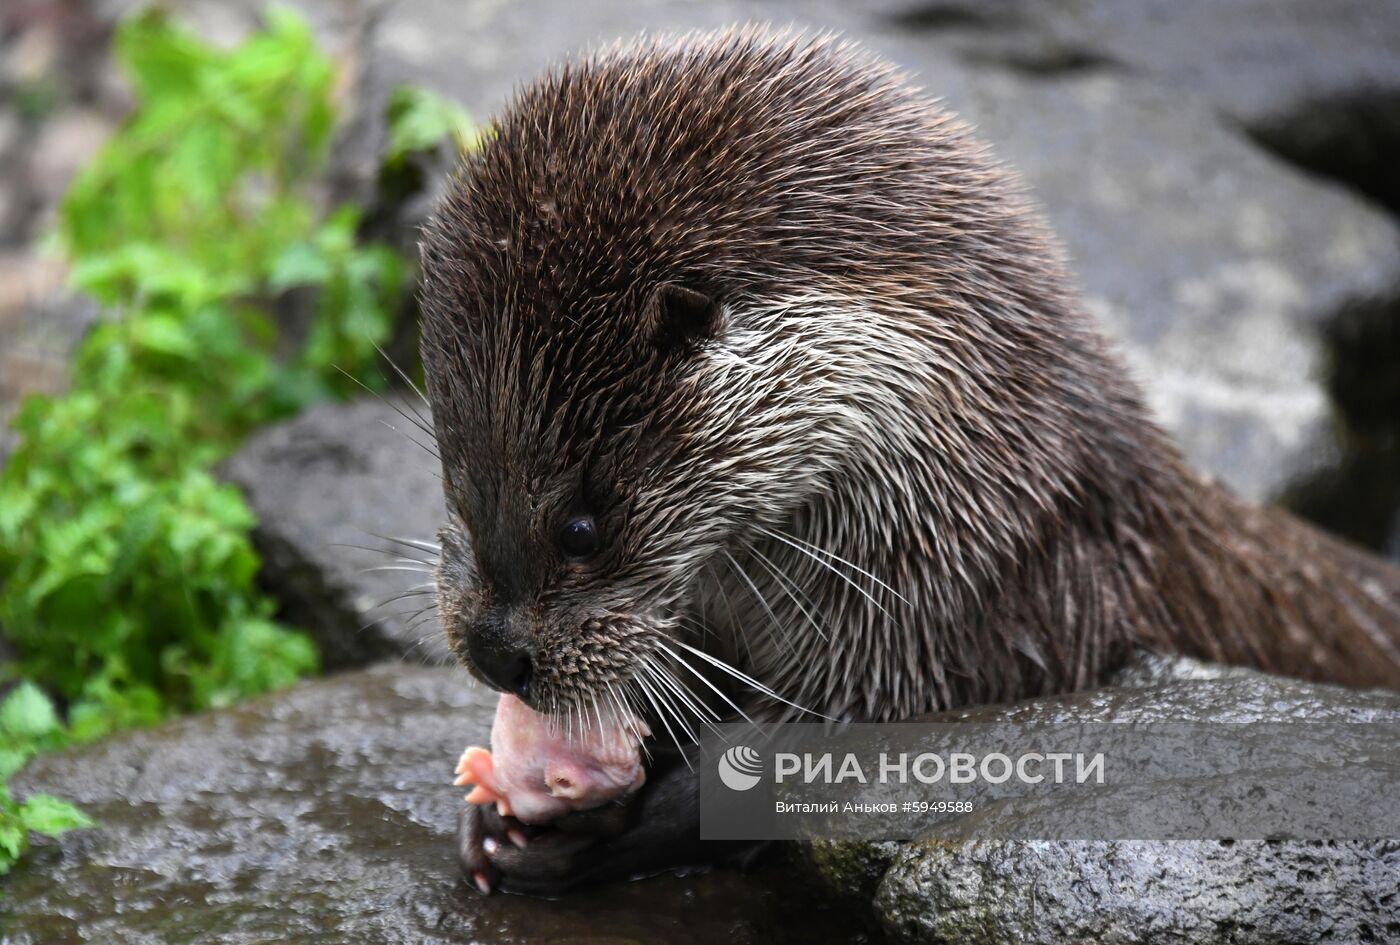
(332, 490)
(1225, 891)
(1259, 61)
(1316, 82)
(326, 814)
(1196, 892)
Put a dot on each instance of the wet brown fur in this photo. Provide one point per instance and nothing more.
(899, 378)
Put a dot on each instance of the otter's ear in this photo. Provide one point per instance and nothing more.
(677, 317)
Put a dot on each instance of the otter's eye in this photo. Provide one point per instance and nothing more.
(579, 539)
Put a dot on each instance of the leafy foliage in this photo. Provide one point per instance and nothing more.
(127, 575)
(421, 120)
(28, 723)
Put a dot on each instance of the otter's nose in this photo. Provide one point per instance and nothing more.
(505, 665)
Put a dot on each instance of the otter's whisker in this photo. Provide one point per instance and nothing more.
(427, 449)
(415, 544)
(707, 716)
(688, 696)
(423, 657)
(656, 709)
(734, 626)
(415, 420)
(396, 567)
(403, 375)
(700, 676)
(845, 577)
(598, 713)
(420, 614)
(763, 601)
(748, 680)
(415, 591)
(799, 542)
(641, 679)
(431, 566)
(787, 585)
(432, 547)
(431, 606)
(394, 553)
(650, 670)
(432, 634)
(622, 705)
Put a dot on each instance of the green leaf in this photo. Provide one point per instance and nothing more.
(27, 714)
(420, 119)
(11, 760)
(14, 840)
(299, 264)
(51, 816)
(165, 334)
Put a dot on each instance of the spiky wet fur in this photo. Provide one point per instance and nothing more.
(902, 388)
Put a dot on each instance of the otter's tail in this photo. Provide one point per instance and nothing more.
(1262, 588)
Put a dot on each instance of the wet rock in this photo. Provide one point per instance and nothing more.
(326, 813)
(1160, 688)
(332, 490)
(1186, 892)
(946, 888)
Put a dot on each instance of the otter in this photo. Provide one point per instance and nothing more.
(749, 364)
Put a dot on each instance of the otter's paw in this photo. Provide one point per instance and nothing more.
(500, 852)
(655, 829)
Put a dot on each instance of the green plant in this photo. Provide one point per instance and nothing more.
(28, 724)
(127, 574)
(422, 120)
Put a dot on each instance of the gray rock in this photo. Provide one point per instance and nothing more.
(65, 143)
(1186, 892)
(331, 490)
(1297, 74)
(1158, 688)
(326, 814)
(947, 888)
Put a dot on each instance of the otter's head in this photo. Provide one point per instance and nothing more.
(666, 302)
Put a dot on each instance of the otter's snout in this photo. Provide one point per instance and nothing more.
(504, 659)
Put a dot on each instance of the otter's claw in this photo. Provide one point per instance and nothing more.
(496, 852)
